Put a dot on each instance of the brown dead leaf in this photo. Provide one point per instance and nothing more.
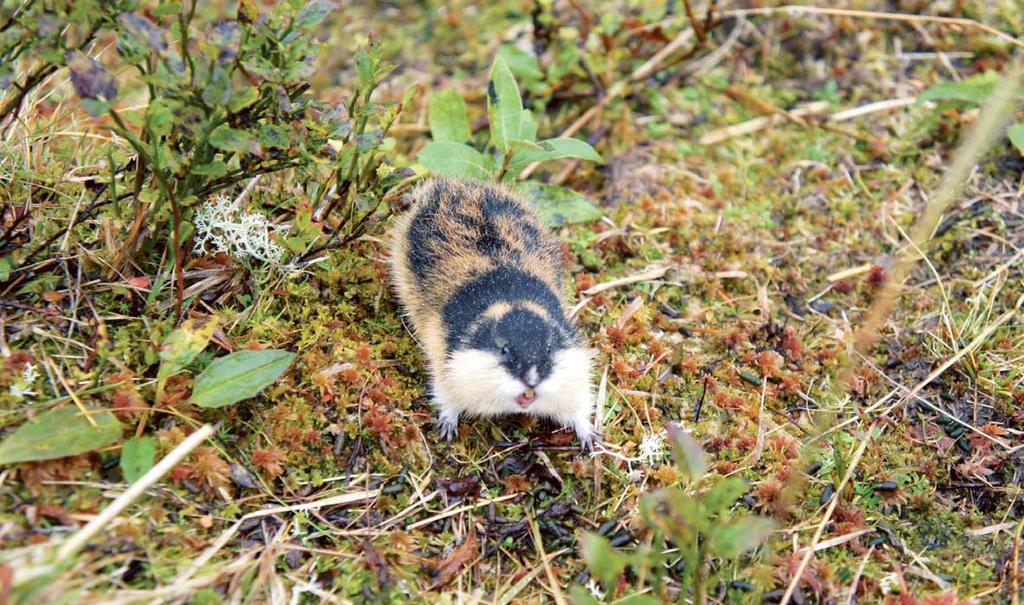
(447, 569)
(377, 564)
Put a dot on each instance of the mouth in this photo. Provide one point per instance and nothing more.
(525, 399)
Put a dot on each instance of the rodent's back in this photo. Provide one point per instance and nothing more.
(464, 245)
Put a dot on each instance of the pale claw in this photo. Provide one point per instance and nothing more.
(448, 425)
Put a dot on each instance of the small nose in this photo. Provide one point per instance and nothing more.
(531, 377)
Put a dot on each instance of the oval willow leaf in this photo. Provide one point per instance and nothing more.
(238, 376)
(59, 432)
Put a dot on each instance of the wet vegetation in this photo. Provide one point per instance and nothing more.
(795, 242)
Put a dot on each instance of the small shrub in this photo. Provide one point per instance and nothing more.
(690, 531)
(225, 103)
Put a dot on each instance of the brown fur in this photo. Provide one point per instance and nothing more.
(459, 259)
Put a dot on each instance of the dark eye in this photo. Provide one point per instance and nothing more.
(504, 351)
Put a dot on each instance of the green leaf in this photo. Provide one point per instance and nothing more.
(226, 138)
(524, 146)
(558, 205)
(1015, 133)
(5, 267)
(183, 344)
(504, 105)
(274, 136)
(218, 89)
(164, 9)
(448, 118)
(976, 89)
(454, 159)
(746, 533)
(604, 562)
(243, 98)
(59, 432)
(520, 62)
(723, 494)
(313, 13)
(159, 119)
(238, 376)
(553, 149)
(566, 147)
(581, 596)
(214, 169)
(137, 456)
(688, 453)
(96, 107)
(639, 599)
(527, 126)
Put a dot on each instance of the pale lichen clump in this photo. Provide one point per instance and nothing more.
(221, 227)
(23, 388)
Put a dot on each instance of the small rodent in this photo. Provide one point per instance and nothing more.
(480, 278)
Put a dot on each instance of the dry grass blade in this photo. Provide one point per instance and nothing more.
(225, 537)
(793, 9)
(991, 124)
(538, 544)
(813, 546)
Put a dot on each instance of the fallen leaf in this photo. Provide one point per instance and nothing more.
(447, 569)
(376, 563)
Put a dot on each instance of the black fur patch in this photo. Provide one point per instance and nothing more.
(529, 340)
(422, 232)
(504, 284)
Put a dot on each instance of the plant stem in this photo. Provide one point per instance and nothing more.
(504, 166)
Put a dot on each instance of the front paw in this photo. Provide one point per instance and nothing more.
(587, 435)
(448, 426)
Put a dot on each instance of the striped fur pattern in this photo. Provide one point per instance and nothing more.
(480, 278)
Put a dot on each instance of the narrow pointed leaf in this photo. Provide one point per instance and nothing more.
(504, 105)
(688, 453)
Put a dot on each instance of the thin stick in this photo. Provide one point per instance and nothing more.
(844, 12)
(556, 588)
(856, 577)
(71, 393)
(78, 540)
(461, 509)
(646, 275)
(991, 124)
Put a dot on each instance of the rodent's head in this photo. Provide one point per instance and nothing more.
(525, 341)
(514, 357)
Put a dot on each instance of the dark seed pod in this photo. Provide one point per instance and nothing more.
(887, 486)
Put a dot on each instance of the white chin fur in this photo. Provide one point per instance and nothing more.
(474, 383)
